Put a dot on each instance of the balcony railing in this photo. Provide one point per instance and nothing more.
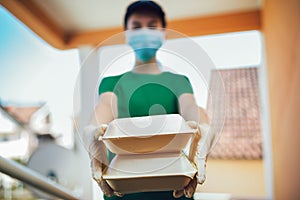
(34, 179)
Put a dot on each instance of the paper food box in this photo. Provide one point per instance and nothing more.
(130, 173)
(148, 153)
(150, 134)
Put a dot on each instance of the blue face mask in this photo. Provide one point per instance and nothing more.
(145, 42)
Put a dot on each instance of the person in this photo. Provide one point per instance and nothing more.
(145, 90)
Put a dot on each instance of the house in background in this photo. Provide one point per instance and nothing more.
(26, 136)
(20, 125)
(238, 153)
(241, 135)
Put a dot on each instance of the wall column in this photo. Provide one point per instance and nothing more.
(89, 74)
(281, 29)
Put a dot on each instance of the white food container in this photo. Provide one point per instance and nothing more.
(149, 154)
(131, 173)
(150, 134)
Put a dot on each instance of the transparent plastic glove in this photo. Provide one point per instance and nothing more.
(203, 148)
(199, 149)
(188, 191)
(98, 156)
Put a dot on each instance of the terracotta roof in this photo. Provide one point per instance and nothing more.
(241, 135)
(22, 113)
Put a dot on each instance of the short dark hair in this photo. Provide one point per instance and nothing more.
(145, 6)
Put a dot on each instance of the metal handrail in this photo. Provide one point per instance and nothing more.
(34, 179)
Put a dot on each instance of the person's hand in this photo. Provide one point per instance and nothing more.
(98, 156)
(198, 151)
(96, 168)
(188, 191)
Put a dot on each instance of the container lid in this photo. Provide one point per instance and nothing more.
(149, 134)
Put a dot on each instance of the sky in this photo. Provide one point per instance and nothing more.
(31, 71)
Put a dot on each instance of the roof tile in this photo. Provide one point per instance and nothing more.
(240, 137)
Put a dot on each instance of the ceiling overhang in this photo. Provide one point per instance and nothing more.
(32, 16)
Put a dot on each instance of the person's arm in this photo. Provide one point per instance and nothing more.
(196, 118)
(190, 111)
(105, 111)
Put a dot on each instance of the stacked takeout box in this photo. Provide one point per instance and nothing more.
(149, 154)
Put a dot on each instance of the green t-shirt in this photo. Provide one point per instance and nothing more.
(143, 95)
(146, 94)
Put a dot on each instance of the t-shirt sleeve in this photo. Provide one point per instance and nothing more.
(108, 84)
(183, 85)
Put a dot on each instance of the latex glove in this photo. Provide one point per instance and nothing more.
(198, 152)
(98, 156)
(188, 191)
(199, 149)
